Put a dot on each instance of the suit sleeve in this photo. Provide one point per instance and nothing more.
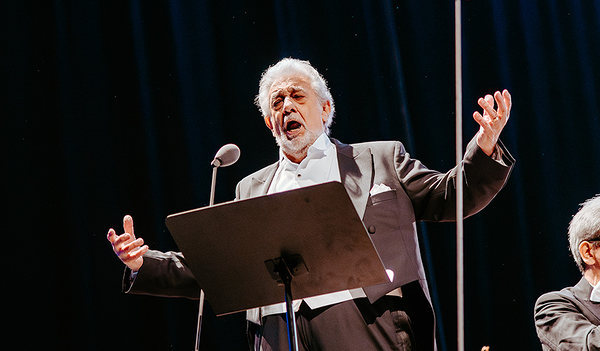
(162, 274)
(433, 194)
(561, 325)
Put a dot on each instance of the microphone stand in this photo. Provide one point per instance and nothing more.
(212, 186)
(211, 202)
(227, 155)
(199, 327)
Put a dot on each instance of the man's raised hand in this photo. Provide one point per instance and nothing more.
(126, 246)
(492, 121)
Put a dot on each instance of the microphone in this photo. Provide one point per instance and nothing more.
(226, 156)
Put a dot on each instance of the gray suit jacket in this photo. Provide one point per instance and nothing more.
(418, 193)
(567, 319)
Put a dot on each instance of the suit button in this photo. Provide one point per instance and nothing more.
(371, 229)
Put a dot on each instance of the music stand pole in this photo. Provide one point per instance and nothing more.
(290, 316)
(281, 269)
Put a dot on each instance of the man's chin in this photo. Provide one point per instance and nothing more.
(297, 145)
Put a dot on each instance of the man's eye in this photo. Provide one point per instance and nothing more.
(298, 96)
(277, 103)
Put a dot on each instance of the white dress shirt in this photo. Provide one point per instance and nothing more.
(595, 295)
(319, 166)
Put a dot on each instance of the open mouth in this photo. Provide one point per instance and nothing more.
(291, 126)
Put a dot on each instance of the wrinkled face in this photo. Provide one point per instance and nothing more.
(297, 117)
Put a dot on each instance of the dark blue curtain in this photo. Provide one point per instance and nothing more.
(117, 107)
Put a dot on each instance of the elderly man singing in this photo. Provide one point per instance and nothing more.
(391, 192)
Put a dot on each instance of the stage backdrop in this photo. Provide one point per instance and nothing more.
(117, 107)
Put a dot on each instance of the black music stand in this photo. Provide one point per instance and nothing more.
(245, 253)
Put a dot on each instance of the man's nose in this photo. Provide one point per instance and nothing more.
(288, 105)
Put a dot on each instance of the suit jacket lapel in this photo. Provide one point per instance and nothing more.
(356, 170)
(582, 292)
(262, 180)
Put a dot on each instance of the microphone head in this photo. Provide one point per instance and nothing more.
(226, 156)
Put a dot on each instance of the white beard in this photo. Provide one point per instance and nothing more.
(298, 146)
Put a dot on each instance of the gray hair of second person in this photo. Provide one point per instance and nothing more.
(585, 226)
(288, 67)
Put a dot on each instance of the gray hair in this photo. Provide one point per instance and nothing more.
(585, 226)
(293, 67)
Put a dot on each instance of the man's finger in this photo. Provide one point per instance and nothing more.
(507, 99)
(490, 104)
(122, 239)
(111, 236)
(129, 245)
(500, 102)
(133, 245)
(140, 251)
(485, 104)
(481, 121)
(490, 100)
(128, 225)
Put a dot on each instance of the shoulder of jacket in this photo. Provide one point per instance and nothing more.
(260, 173)
(381, 143)
(373, 145)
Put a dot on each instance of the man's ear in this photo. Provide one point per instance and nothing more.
(585, 250)
(326, 111)
(268, 122)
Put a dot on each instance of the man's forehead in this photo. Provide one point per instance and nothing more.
(292, 83)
